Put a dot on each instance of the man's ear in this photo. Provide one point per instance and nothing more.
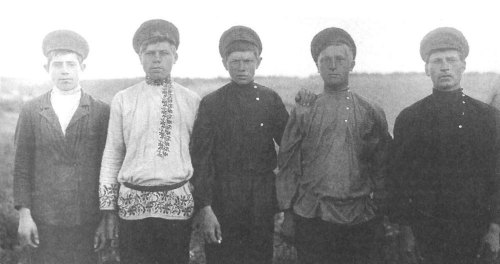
(224, 62)
(427, 69)
(83, 66)
(46, 67)
(351, 67)
(176, 57)
(259, 60)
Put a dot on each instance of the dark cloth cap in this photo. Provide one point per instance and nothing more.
(443, 38)
(328, 37)
(238, 33)
(65, 40)
(155, 29)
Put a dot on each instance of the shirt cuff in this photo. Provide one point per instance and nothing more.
(108, 194)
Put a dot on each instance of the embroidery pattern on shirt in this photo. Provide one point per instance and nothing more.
(167, 203)
(167, 113)
(107, 196)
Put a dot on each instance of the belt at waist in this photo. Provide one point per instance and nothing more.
(158, 188)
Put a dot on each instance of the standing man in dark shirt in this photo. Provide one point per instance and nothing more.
(60, 137)
(233, 153)
(445, 181)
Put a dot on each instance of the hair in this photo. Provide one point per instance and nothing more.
(156, 40)
(460, 54)
(241, 45)
(59, 52)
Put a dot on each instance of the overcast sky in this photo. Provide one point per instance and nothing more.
(387, 33)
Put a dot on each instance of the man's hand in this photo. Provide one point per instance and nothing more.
(492, 240)
(106, 231)
(100, 236)
(288, 226)
(408, 245)
(111, 225)
(27, 230)
(305, 97)
(209, 226)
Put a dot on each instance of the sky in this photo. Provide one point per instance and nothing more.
(387, 33)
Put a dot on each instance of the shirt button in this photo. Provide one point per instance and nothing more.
(347, 97)
(257, 99)
(255, 86)
(459, 126)
(463, 102)
(463, 95)
(463, 113)
(261, 124)
(347, 108)
(345, 120)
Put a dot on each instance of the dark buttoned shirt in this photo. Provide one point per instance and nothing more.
(56, 175)
(445, 160)
(233, 137)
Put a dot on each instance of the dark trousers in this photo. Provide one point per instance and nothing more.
(242, 244)
(154, 240)
(245, 210)
(446, 242)
(321, 242)
(73, 245)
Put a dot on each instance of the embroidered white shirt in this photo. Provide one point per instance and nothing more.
(131, 153)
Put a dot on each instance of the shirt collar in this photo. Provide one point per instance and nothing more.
(74, 91)
(243, 86)
(448, 95)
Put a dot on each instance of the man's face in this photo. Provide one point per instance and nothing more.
(334, 64)
(241, 66)
(65, 71)
(158, 59)
(445, 69)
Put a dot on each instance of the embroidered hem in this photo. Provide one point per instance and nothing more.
(134, 204)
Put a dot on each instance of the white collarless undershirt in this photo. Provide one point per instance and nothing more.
(65, 104)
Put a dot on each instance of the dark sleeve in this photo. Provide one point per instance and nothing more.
(103, 133)
(379, 160)
(281, 118)
(495, 198)
(24, 159)
(202, 148)
(399, 166)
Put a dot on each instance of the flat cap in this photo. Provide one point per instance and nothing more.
(155, 29)
(65, 40)
(238, 33)
(331, 36)
(443, 38)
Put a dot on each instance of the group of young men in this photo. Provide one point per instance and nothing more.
(161, 161)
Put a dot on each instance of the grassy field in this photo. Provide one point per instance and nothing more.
(392, 92)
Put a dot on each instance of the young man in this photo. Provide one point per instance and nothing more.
(332, 162)
(60, 137)
(234, 157)
(146, 165)
(445, 181)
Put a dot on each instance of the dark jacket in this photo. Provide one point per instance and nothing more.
(56, 176)
(445, 160)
